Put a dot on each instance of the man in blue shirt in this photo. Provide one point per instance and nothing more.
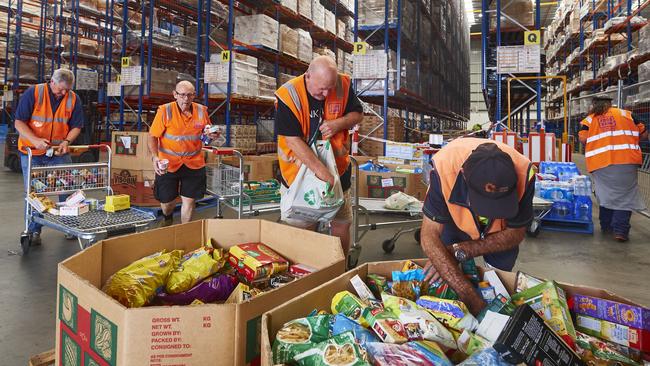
(48, 125)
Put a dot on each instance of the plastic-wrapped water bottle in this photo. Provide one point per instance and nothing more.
(582, 208)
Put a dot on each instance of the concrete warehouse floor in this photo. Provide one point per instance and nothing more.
(29, 283)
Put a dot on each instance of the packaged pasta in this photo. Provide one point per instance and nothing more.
(136, 284)
(340, 350)
(386, 325)
(342, 324)
(407, 284)
(300, 335)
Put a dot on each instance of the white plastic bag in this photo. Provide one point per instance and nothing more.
(310, 199)
(400, 201)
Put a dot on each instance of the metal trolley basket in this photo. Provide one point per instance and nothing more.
(89, 227)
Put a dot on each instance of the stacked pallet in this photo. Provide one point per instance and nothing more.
(374, 148)
(244, 138)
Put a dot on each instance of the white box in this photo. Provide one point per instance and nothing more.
(74, 210)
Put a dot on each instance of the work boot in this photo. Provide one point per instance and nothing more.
(167, 220)
(36, 239)
(621, 238)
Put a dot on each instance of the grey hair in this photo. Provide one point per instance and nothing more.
(63, 76)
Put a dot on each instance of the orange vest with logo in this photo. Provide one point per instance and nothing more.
(181, 141)
(613, 139)
(294, 95)
(48, 124)
(448, 163)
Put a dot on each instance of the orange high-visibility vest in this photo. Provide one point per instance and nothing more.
(181, 141)
(613, 138)
(48, 124)
(448, 163)
(294, 95)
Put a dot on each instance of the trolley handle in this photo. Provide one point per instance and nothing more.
(216, 151)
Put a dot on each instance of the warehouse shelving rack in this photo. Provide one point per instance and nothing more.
(447, 106)
(492, 83)
(591, 58)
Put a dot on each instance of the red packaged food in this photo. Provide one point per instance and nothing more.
(255, 261)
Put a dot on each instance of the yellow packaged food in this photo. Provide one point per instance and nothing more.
(349, 305)
(195, 266)
(136, 284)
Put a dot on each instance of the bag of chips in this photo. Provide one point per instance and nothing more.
(300, 335)
(377, 284)
(348, 304)
(255, 261)
(136, 284)
(409, 354)
(418, 323)
(342, 324)
(210, 290)
(452, 313)
(407, 284)
(194, 267)
(340, 350)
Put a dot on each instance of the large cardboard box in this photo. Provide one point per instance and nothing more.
(130, 151)
(91, 325)
(321, 297)
(383, 185)
(257, 167)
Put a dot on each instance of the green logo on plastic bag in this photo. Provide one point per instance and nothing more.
(310, 197)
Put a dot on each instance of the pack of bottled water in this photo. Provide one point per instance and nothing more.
(570, 192)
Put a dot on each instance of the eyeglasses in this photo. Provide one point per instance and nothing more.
(185, 95)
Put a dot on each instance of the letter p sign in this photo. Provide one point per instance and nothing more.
(360, 48)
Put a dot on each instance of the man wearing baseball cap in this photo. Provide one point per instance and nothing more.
(479, 203)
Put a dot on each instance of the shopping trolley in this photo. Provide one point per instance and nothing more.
(226, 183)
(410, 219)
(63, 179)
(541, 208)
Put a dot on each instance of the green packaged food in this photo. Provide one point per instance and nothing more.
(136, 284)
(377, 284)
(300, 335)
(418, 322)
(348, 304)
(386, 325)
(340, 350)
(591, 346)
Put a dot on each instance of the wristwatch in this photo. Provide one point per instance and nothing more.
(460, 254)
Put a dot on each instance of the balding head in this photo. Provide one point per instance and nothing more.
(184, 94)
(321, 77)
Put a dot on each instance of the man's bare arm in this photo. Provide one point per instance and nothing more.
(498, 242)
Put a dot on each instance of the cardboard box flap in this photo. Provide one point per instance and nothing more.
(84, 264)
(228, 233)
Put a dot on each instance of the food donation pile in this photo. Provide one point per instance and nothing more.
(403, 320)
(208, 274)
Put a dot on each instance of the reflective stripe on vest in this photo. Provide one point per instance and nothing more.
(182, 154)
(47, 119)
(41, 92)
(168, 109)
(181, 137)
(607, 148)
(612, 134)
(293, 93)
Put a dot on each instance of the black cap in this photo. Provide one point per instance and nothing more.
(492, 180)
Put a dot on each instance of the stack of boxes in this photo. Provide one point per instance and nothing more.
(305, 46)
(257, 29)
(244, 138)
(375, 148)
(288, 41)
(290, 4)
(318, 14)
(245, 79)
(304, 8)
(330, 22)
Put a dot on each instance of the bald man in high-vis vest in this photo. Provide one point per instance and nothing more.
(321, 100)
(175, 135)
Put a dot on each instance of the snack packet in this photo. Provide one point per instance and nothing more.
(386, 325)
(299, 335)
(409, 265)
(194, 267)
(471, 343)
(418, 323)
(377, 284)
(409, 354)
(440, 289)
(210, 290)
(342, 324)
(256, 260)
(407, 284)
(242, 293)
(452, 313)
(340, 350)
(349, 305)
(136, 284)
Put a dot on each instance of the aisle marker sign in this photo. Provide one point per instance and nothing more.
(360, 48)
(225, 56)
(532, 37)
(126, 61)
(5, 87)
(518, 59)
